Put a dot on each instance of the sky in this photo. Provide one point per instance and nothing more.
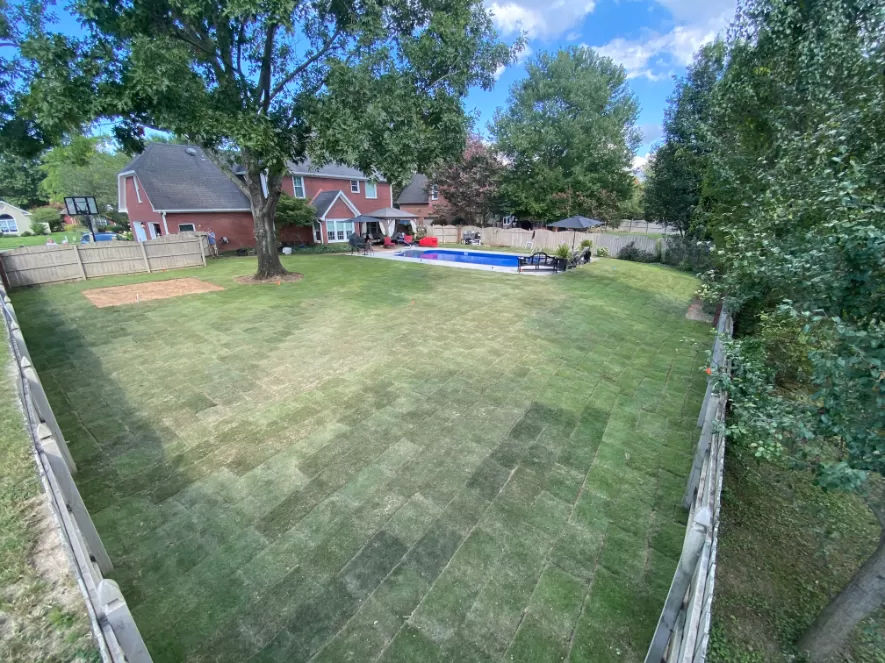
(653, 39)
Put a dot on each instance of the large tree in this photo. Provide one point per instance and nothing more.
(20, 179)
(470, 185)
(569, 135)
(796, 178)
(376, 84)
(677, 170)
(86, 167)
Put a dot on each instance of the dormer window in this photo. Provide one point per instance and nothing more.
(434, 192)
(354, 186)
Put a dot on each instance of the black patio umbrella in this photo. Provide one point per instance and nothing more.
(576, 223)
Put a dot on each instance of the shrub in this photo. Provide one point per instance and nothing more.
(687, 254)
(26, 233)
(602, 252)
(73, 227)
(342, 247)
(563, 251)
(587, 244)
(37, 227)
(49, 216)
(630, 252)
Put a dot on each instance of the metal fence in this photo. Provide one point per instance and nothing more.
(117, 635)
(35, 265)
(542, 239)
(683, 630)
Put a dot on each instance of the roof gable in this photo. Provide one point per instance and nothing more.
(417, 191)
(182, 178)
(4, 204)
(324, 201)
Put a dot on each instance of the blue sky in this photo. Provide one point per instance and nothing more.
(653, 39)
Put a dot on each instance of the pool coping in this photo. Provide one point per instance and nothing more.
(461, 265)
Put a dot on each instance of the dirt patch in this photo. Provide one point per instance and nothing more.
(143, 292)
(696, 312)
(291, 277)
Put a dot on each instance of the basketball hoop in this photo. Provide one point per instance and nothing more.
(82, 206)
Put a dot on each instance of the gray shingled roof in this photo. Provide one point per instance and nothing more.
(305, 167)
(323, 201)
(180, 177)
(417, 191)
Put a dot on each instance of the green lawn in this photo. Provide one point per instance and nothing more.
(384, 461)
(13, 242)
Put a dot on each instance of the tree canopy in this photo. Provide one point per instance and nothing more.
(793, 191)
(83, 166)
(377, 85)
(677, 169)
(20, 179)
(568, 133)
(470, 185)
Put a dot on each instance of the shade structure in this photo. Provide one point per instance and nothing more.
(365, 218)
(392, 213)
(576, 223)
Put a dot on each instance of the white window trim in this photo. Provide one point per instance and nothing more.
(357, 182)
(14, 224)
(374, 184)
(303, 195)
(434, 192)
(329, 239)
(192, 225)
(135, 184)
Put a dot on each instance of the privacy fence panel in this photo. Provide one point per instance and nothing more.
(117, 636)
(36, 265)
(542, 239)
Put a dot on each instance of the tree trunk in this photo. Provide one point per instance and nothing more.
(263, 212)
(864, 594)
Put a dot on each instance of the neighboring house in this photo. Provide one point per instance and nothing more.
(421, 198)
(13, 220)
(176, 188)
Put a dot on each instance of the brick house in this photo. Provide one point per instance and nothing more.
(176, 188)
(421, 199)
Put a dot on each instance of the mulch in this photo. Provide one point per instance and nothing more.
(291, 277)
(142, 292)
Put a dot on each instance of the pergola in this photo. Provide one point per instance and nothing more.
(388, 216)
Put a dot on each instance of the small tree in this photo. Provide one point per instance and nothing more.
(294, 212)
(470, 186)
(38, 227)
(48, 216)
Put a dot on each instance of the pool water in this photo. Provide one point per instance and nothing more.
(456, 255)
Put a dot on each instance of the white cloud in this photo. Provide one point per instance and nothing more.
(640, 162)
(523, 54)
(538, 18)
(499, 71)
(655, 55)
(573, 36)
(651, 131)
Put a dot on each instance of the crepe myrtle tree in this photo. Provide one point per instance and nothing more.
(377, 84)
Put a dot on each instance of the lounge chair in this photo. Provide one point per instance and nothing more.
(541, 261)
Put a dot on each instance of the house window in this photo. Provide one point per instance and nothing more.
(434, 192)
(371, 189)
(7, 224)
(354, 186)
(186, 228)
(339, 231)
(298, 186)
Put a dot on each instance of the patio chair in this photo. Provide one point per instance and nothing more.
(357, 244)
(388, 243)
(407, 240)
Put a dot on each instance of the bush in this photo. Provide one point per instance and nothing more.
(563, 251)
(73, 228)
(26, 233)
(587, 244)
(630, 252)
(48, 215)
(687, 254)
(342, 247)
(37, 227)
(602, 252)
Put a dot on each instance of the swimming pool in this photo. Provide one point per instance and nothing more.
(457, 255)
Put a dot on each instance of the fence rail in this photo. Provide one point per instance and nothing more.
(35, 265)
(683, 630)
(542, 239)
(118, 638)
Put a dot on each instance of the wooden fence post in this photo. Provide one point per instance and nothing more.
(147, 263)
(45, 413)
(202, 252)
(702, 450)
(688, 561)
(80, 261)
(113, 607)
(73, 500)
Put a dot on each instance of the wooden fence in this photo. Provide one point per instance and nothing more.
(542, 239)
(115, 631)
(34, 265)
(683, 630)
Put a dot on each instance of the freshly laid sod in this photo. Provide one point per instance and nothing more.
(384, 461)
